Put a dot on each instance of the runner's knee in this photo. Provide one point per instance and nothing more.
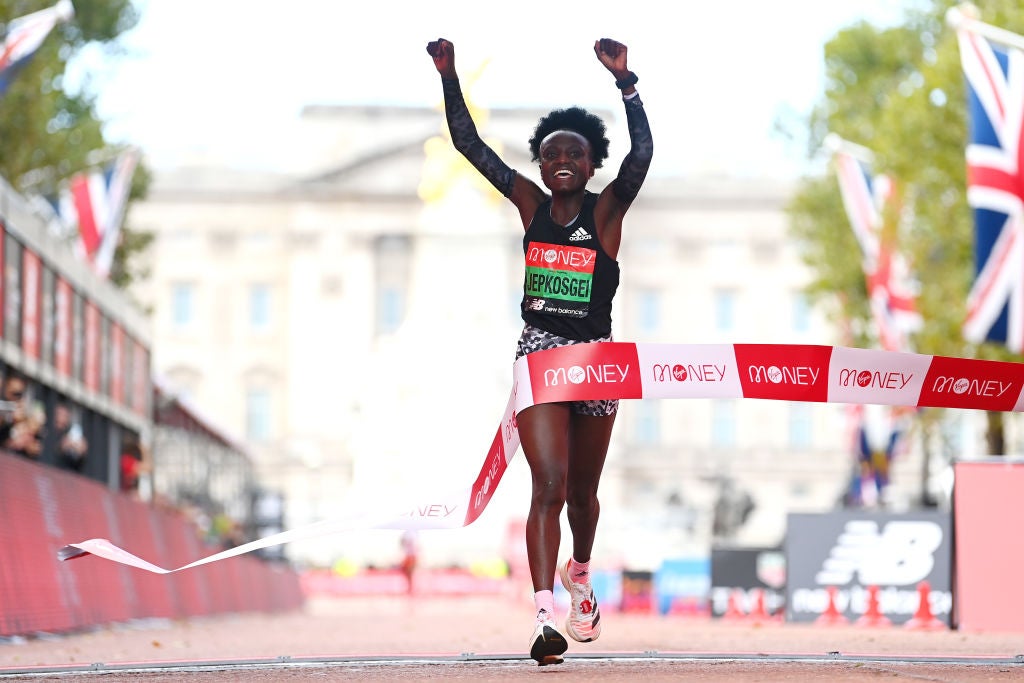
(582, 502)
(549, 491)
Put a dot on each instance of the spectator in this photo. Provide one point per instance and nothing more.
(22, 422)
(64, 443)
(26, 436)
(12, 407)
(134, 464)
(410, 558)
(226, 532)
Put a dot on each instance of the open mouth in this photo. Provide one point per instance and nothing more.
(564, 173)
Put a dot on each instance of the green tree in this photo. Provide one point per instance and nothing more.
(900, 91)
(49, 131)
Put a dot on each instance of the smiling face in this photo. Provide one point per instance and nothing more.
(566, 162)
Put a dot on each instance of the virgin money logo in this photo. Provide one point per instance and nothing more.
(784, 371)
(800, 374)
(974, 384)
(972, 387)
(678, 372)
(560, 257)
(585, 372)
(607, 373)
(875, 379)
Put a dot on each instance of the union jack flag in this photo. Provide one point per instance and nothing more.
(995, 188)
(890, 290)
(91, 206)
(25, 35)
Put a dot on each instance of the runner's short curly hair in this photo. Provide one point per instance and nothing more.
(577, 120)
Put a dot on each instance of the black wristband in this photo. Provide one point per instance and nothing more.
(629, 80)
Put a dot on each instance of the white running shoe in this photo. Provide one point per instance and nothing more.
(584, 620)
(546, 643)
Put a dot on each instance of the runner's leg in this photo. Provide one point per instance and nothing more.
(544, 434)
(588, 447)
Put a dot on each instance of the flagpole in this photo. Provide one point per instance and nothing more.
(964, 17)
(833, 142)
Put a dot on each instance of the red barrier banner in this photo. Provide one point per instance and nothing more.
(116, 363)
(616, 370)
(31, 302)
(40, 506)
(92, 347)
(63, 301)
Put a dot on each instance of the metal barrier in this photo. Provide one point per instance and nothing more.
(42, 507)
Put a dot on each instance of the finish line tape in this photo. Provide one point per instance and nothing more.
(606, 370)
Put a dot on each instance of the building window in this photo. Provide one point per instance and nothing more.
(801, 313)
(259, 307)
(182, 304)
(647, 427)
(725, 309)
(393, 265)
(259, 240)
(390, 309)
(723, 424)
(179, 238)
(800, 425)
(648, 310)
(257, 414)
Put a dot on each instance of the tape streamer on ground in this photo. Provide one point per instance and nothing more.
(787, 372)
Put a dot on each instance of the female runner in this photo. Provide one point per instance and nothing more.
(565, 444)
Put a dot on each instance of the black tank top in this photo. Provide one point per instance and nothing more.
(570, 279)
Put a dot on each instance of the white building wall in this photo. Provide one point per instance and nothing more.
(356, 415)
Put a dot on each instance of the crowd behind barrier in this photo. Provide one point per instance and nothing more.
(74, 356)
(91, 447)
(42, 425)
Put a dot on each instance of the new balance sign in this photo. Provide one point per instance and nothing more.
(852, 550)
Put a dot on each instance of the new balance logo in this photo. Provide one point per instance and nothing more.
(901, 553)
(579, 235)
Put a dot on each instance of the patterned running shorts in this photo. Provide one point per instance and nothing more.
(536, 339)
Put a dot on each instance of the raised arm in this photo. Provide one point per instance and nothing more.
(633, 170)
(460, 124)
(617, 197)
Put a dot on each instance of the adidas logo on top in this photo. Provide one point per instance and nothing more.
(579, 235)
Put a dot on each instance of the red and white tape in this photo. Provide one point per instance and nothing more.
(786, 372)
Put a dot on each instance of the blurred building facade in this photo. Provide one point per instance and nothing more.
(353, 319)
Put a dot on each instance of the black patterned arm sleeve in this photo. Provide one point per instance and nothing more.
(467, 140)
(641, 150)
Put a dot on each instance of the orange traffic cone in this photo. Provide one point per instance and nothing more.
(831, 616)
(873, 614)
(734, 610)
(759, 613)
(924, 619)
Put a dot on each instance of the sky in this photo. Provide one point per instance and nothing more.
(226, 79)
